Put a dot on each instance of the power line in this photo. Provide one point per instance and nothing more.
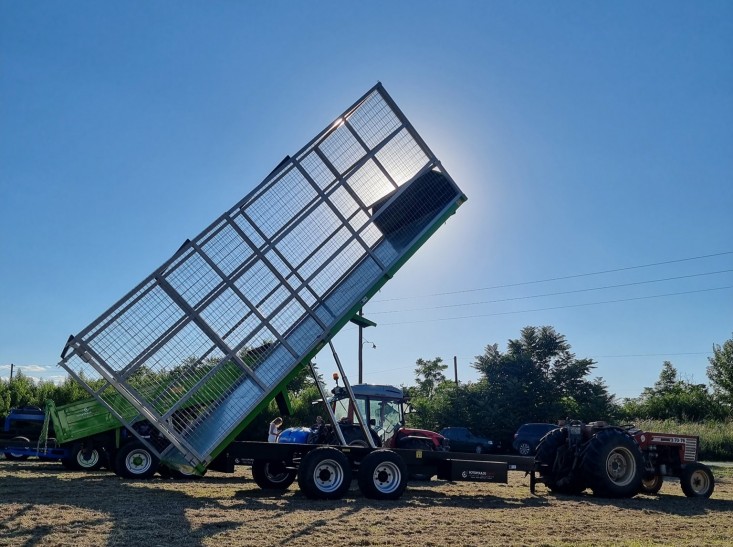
(574, 276)
(561, 307)
(553, 293)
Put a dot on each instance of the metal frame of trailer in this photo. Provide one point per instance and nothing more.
(205, 342)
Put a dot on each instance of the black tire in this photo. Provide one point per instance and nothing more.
(272, 475)
(697, 480)
(555, 463)
(652, 485)
(324, 474)
(382, 475)
(90, 460)
(613, 464)
(524, 449)
(135, 461)
(18, 457)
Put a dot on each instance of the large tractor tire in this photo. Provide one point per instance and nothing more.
(697, 480)
(556, 464)
(272, 475)
(613, 464)
(135, 461)
(324, 474)
(382, 475)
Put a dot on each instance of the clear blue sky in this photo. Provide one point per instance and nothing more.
(587, 136)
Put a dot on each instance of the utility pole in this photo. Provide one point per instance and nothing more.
(12, 366)
(455, 368)
(361, 346)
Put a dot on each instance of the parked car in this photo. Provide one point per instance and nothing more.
(461, 439)
(528, 437)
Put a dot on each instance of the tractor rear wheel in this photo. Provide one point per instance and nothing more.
(697, 480)
(383, 475)
(272, 475)
(652, 486)
(556, 461)
(613, 464)
(324, 474)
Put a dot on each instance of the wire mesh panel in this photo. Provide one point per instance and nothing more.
(200, 344)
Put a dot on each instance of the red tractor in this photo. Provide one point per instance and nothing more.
(619, 462)
(383, 408)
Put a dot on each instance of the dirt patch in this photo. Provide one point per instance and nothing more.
(43, 504)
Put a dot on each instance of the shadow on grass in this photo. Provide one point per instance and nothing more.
(132, 512)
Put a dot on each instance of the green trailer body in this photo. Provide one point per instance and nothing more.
(206, 341)
(80, 420)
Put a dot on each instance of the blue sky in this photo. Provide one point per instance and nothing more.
(588, 137)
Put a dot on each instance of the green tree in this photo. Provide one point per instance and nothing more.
(538, 378)
(673, 398)
(720, 371)
(429, 375)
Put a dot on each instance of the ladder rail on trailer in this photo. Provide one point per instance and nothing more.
(206, 341)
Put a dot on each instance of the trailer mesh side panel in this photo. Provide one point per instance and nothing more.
(205, 339)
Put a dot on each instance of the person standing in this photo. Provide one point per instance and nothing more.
(274, 430)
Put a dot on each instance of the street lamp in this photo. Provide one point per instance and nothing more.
(362, 322)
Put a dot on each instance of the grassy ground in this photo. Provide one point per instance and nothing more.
(42, 504)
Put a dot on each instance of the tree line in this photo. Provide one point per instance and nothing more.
(536, 379)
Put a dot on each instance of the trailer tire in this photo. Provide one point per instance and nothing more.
(79, 462)
(555, 464)
(652, 485)
(17, 457)
(272, 475)
(613, 464)
(697, 480)
(325, 474)
(382, 475)
(136, 461)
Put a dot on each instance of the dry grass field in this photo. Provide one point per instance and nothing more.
(42, 504)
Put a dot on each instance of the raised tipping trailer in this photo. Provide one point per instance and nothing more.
(189, 357)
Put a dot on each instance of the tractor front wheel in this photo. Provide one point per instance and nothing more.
(697, 480)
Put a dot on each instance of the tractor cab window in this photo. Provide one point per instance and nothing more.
(387, 417)
(344, 411)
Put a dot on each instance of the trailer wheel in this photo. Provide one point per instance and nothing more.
(324, 474)
(136, 461)
(14, 456)
(272, 475)
(555, 462)
(87, 460)
(652, 486)
(382, 475)
(613, 464)
(697, 480)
